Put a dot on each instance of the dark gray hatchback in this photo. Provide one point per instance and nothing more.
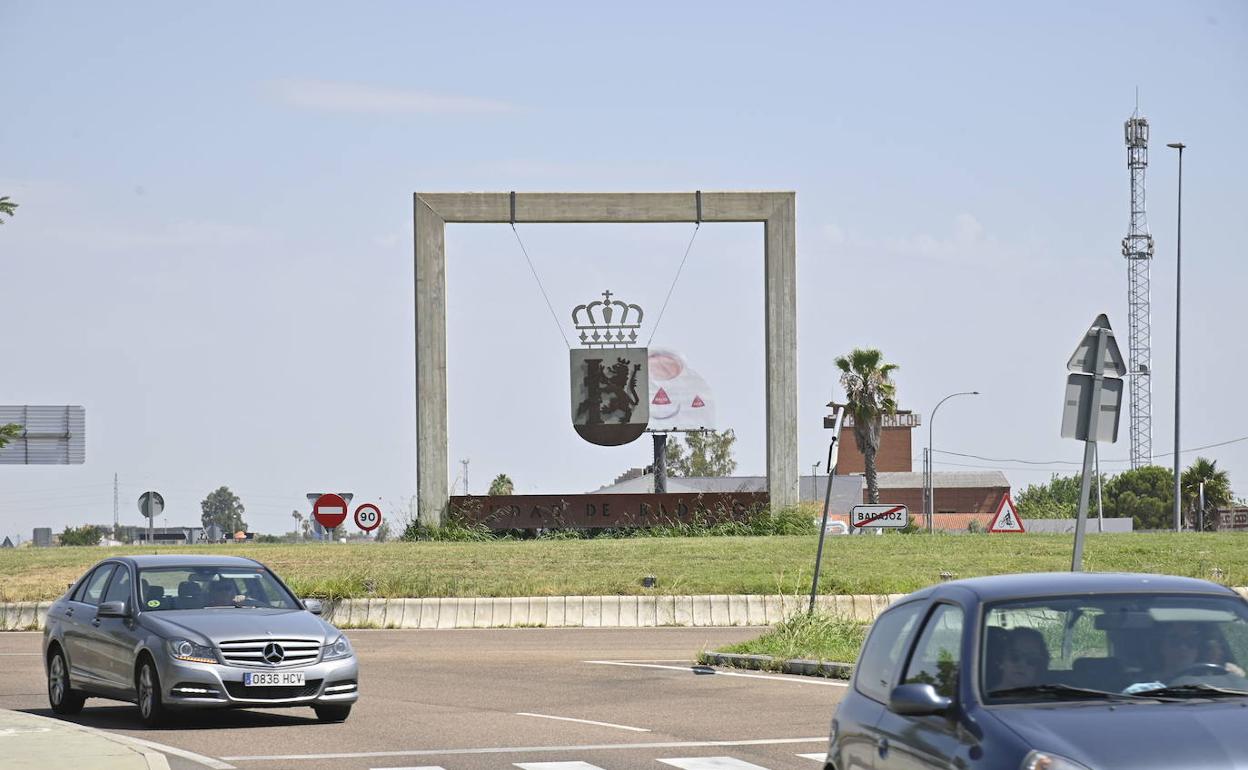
(1062, 671)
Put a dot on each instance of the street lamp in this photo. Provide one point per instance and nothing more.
(931, 458)
(1178, 283)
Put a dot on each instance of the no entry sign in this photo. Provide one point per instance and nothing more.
(368, 517)
(329, 510)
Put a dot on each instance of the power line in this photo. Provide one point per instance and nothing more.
(1075, 462)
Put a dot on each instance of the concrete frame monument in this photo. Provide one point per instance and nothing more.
(432, 212)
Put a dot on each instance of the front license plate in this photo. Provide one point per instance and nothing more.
(273, 679)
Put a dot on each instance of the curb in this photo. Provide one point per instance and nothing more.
(824, 668)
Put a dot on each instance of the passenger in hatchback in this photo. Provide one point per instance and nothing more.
(1026, 660)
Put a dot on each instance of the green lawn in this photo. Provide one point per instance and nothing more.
(683, 565)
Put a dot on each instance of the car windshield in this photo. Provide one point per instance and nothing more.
(197, 588)
(1144, 645)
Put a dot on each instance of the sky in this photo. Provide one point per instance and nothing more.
(213, 250)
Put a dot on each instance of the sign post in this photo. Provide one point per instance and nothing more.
(1093, 405)
(151, 504)
(832, 421)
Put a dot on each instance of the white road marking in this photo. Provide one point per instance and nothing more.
(422, 767)
(708, 671)
(556, 766)
(712, 763)
(17, 654)
(528, 749)
(584, 721)
(215, 764)
(820, 757)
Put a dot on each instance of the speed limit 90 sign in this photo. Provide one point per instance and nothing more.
(368, 517)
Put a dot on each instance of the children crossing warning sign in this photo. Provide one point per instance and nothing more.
(1006, 519)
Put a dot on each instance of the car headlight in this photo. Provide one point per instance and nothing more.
(184, 649)
(339, 648)
(1043, 760)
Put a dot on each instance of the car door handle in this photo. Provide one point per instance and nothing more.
(882, 746)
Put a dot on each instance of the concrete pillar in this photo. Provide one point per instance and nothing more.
(432, 482)
(780, 278)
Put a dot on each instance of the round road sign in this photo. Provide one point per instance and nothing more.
(151, 504)
(329, 510)
(368, 517)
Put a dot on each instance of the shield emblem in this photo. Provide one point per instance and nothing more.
(610, 394)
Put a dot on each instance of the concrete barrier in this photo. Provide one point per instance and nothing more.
(556, 611)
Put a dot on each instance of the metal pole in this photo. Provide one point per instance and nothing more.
(1089, 446)
(1100, 507)
(931, 459)
(1202, 506)
(660, 463)
(827, 498)
(1178, 297)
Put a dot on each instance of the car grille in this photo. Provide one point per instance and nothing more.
(243, 692)
(250, 652)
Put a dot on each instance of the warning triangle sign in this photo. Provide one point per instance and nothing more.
(1006, 519)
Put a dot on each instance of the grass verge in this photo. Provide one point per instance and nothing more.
(683, 565)
(817, 636)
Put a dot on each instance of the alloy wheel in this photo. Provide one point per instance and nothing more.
(56, 680)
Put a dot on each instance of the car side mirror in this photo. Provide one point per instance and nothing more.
(314, 606)
(113, 610)
(918, 700)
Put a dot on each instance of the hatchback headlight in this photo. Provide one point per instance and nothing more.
(339, 648)
(1042, 760)
(184, 649)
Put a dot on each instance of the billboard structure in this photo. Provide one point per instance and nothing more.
(49, 435)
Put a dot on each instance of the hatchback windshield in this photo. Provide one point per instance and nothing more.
(195, 588)
(1162, 645)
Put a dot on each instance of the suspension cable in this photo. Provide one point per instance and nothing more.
(697, 226)
(553, 315)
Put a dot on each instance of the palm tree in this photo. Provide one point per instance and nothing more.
(1217, 491)
(298, 517)
(501, 485)
(6, 206)
(871, 394)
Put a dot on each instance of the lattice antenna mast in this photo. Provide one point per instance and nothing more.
(1137, 247)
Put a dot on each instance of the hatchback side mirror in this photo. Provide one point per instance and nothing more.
(314, 606)
(918, 700)
(113, 610)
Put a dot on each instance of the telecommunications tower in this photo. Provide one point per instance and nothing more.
(1137, 247)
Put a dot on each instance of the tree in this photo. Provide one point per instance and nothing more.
(1145, 495)
(501, 485)
(84, 535)
(1058, 499)
(706, 453)
(1217, 492)
(223, 508)
(9, 432)
(298, 517)
(383, 531)
(871, 394)
(6, 207)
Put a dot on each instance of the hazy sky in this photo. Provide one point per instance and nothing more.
(213, 250)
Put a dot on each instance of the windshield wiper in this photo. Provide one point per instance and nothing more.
(1194, 691)
(1064, 691)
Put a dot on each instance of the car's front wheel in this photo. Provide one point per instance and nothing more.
(151, 706)
(332, 713)
(61, 697)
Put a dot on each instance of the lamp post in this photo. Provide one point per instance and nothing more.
(1178, 284)
(931, 458)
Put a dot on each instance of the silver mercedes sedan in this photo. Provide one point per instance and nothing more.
(189, 632)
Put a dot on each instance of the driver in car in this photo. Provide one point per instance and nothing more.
(221, 594)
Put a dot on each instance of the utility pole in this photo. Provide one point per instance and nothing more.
(1178, 298)
(116, 510)
(464, 462)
